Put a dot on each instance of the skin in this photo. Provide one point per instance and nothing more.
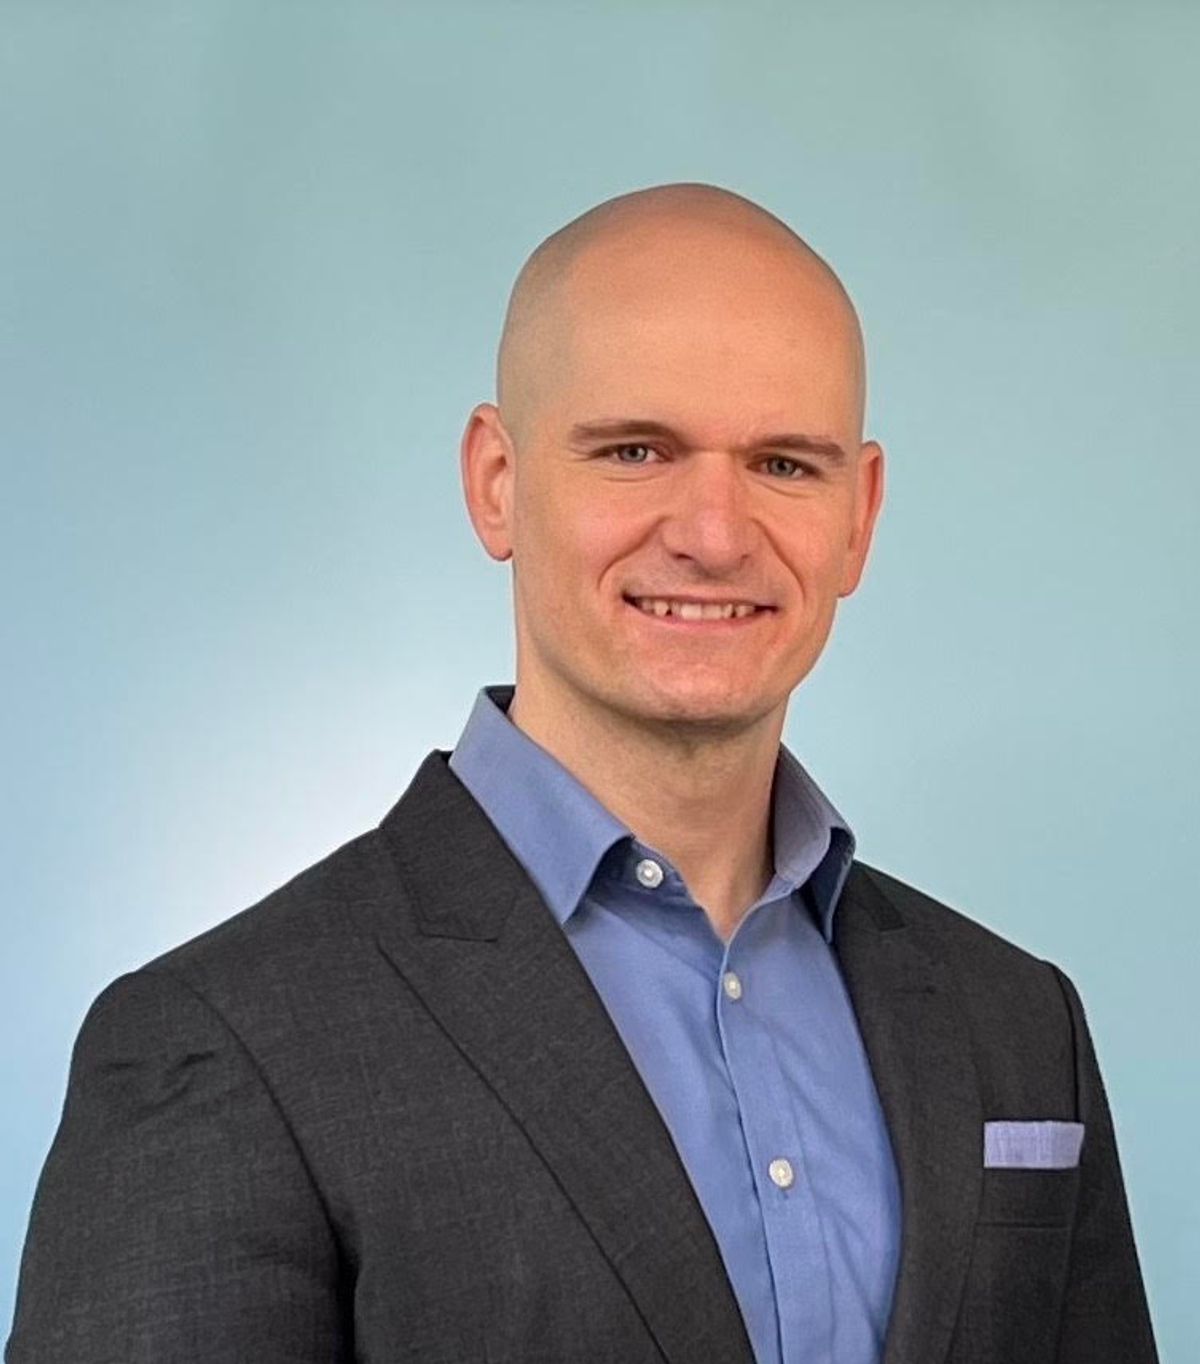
(689, 307)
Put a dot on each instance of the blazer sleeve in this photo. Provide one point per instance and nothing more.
(175, 1219)
(1105, 1315)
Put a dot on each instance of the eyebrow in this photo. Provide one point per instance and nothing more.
(584, 433)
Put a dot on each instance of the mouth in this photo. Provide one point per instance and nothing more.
(699, 613)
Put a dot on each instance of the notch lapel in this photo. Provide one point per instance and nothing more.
(476, 943)
(920, 1054)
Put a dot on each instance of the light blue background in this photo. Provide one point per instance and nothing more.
(254, 262)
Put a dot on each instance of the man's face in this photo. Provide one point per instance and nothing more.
(653, 471)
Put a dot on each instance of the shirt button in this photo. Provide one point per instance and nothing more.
(781, 1173)
(649, 873)
(731, 985)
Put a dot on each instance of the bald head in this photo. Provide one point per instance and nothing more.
(678, 243)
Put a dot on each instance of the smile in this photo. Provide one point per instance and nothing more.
(670, 608)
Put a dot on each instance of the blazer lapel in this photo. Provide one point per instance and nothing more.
(920, 1054)
(474, 940)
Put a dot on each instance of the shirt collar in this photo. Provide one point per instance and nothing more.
(560, 832)
(552, 823)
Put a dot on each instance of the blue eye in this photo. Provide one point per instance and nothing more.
(621, 449)
(786, 459)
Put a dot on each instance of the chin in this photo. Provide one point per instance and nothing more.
(714, 704)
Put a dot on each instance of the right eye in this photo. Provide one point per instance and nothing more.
(642, 451)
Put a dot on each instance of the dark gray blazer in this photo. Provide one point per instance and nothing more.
(383, 1116)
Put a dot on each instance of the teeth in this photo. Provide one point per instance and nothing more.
(693, 610)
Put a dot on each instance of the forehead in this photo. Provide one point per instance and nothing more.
(713, 335)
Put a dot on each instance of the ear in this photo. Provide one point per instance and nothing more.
(488, 461)
(868, 496)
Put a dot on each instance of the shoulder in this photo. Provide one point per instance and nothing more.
(264, 966)
(951, 926)
(995, 977)
(262, 1002)
(312, 911)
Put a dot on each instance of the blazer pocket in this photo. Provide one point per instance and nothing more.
(1028, 1197)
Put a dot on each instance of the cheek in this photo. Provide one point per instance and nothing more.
(814, 551)
(568, 544)
(598, 538)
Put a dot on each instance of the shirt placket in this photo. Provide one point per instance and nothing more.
(775, 1150)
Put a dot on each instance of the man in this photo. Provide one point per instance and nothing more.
(603, 1046)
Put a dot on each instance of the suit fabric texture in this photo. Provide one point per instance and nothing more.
(383, 1116)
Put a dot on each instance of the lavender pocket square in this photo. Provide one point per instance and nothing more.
(1032, 1145)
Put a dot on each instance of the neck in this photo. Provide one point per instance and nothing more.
(699, 795)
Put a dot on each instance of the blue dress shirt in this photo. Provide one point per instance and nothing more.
(750, 1049)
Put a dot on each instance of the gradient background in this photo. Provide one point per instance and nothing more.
(254, 262)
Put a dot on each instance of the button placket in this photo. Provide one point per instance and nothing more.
(773, 1144)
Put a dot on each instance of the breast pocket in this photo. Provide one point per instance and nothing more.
(1015, 1286)
(1028, 1197)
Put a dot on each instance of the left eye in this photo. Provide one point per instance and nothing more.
(777, 460)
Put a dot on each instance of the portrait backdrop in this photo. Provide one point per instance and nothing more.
(253, 264)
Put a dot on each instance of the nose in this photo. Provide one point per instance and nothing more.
(709, 518)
